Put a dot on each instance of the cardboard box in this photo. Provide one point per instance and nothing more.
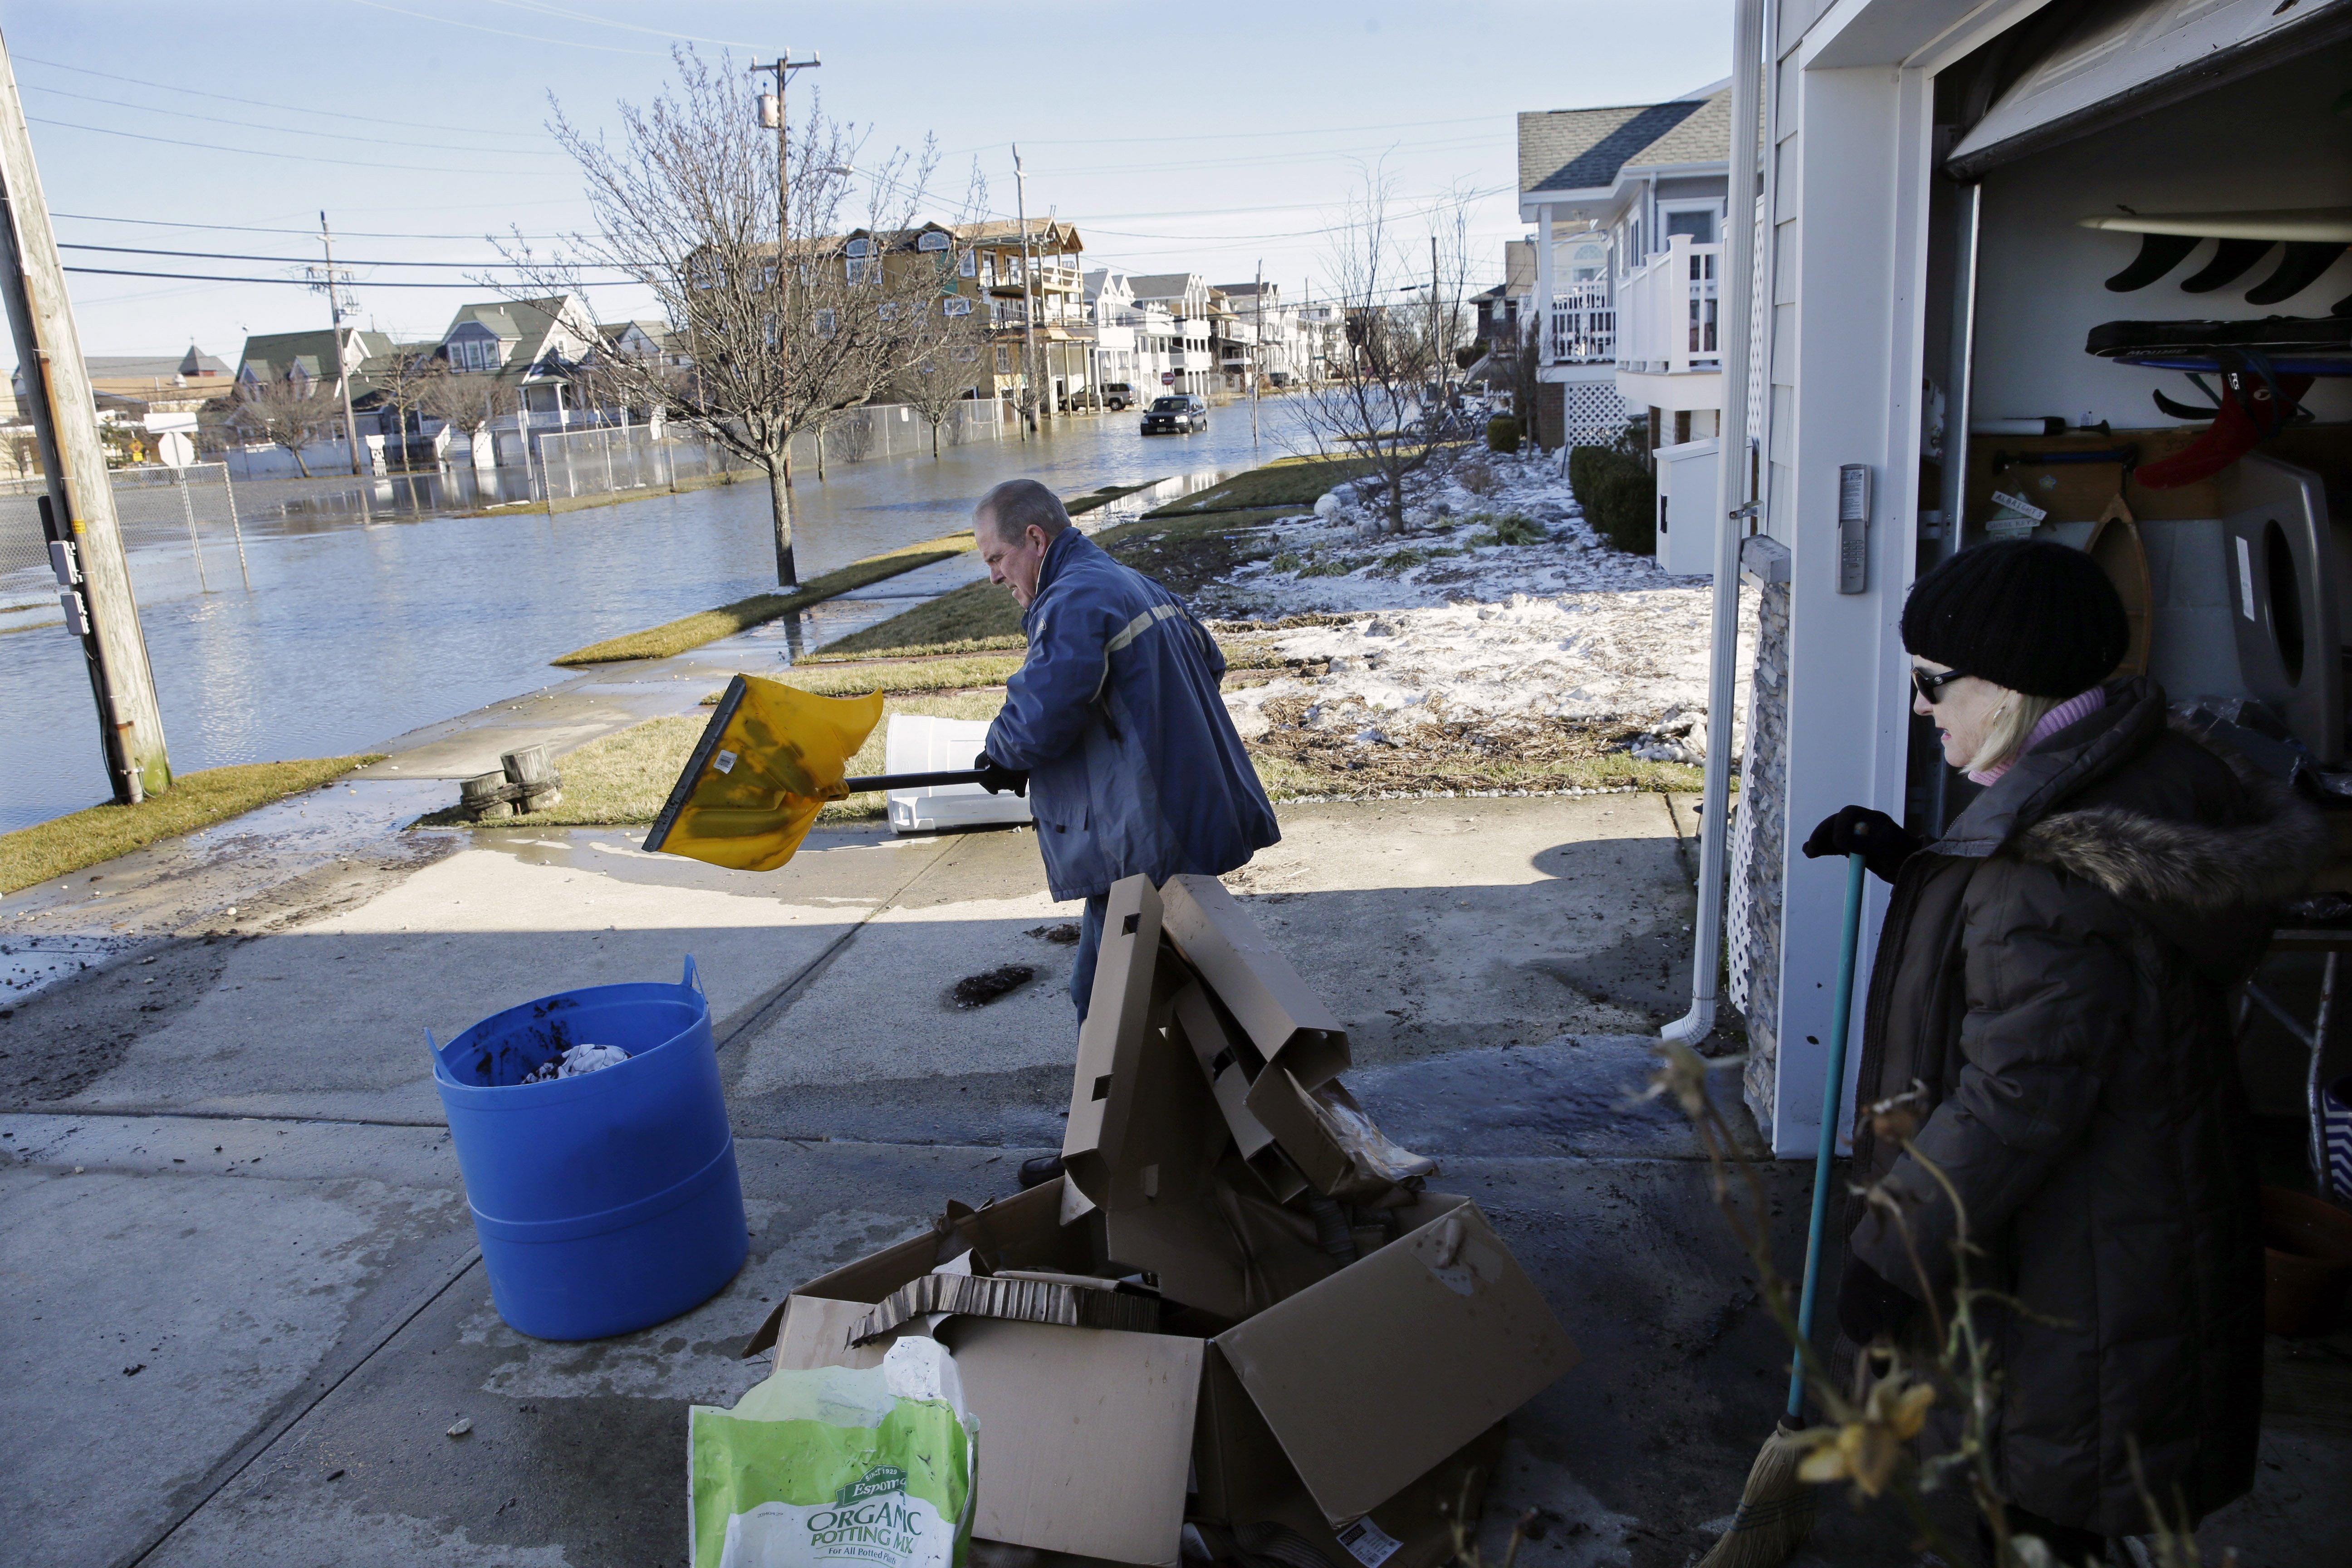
(1067, 1302)
(1229, 1062)
(1364, 1380)
(1110, 1041)
(1338, 1148)
(1086, 1435)
(1285, 1021)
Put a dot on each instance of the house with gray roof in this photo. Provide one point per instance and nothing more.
(533, 343)
(1627, 205)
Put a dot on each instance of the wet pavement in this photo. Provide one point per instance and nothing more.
(352, 633)
(246, 1307)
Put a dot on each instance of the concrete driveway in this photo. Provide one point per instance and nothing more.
(238, 1268)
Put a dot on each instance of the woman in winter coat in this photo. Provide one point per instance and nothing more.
(2055, 973)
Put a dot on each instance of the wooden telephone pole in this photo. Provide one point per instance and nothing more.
(773, 115)
(86, 539)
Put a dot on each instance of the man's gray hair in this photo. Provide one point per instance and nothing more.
(1012, 507)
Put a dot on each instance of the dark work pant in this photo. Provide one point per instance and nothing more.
(1082, 974)
(2071, 1546)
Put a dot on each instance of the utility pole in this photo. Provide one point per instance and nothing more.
(1437, 351)
(1257, 368)
(333, 284)
(771, 114)
(1028, 286)
(78, 510)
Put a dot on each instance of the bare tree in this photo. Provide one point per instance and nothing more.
(686, 205)
(1384, 395)
(407, 377)
(289, 414)
(943, 368)
(468, 403)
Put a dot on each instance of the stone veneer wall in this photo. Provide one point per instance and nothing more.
(1763, 800)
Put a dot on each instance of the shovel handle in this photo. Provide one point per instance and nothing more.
(912, 781)
(1832, 1100)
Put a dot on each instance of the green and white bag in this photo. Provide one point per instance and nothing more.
(836, 1465)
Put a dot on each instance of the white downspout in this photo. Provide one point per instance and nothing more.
(1731, 474)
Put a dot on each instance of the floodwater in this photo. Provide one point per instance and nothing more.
(354, 632)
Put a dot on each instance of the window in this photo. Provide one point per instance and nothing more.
(861, 247)
(1003, 358)
(888, 310)
(856, 270)
(931, 239)
(825, 323)
(955, 305)
(1697, 222)
(968, 264)
(965, 353)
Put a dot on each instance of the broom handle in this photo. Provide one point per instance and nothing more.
(1832, 1095)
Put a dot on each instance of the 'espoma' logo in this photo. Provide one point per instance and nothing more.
(880, 1481)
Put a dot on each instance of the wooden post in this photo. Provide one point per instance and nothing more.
(530, 770)
(81, 496)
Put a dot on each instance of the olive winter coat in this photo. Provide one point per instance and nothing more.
(2055, 972)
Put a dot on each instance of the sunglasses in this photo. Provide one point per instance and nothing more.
(1931, 686)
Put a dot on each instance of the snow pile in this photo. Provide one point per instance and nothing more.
(1634, 656)
(1492, 525)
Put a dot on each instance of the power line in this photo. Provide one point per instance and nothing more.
(372, 141)
(289, 108)
(304, 283)
(283, 260)
(296, 157)
(559, 14)
(307, 233)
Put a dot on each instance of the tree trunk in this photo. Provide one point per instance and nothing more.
(300, 465)
(781, 500)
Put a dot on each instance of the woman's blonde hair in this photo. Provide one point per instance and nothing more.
(2012, 722)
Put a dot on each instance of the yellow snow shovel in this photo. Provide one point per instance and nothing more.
(769, 759)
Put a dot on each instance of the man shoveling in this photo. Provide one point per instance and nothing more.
(1113, 724)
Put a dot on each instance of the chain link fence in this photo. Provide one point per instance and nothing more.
(193, 509)
(610, 459)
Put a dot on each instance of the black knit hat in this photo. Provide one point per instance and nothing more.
(2034, 617)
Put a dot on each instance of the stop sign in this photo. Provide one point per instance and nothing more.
(1167, 378)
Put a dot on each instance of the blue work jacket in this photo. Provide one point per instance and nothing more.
(1134, 764)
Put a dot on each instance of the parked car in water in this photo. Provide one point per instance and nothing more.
(1173, 416)
(1117, 395)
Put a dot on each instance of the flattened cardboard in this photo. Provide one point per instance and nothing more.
(1336, 1146)
(1086, 1435)
(1373, 1376)
(869, 1280)
(816, 1331)
(1102, 1095)
(1288, 1021)
(1069, 1305)
(1024, 1231)
(1228, 1252)
(1174, 1134)
(1229, 1062)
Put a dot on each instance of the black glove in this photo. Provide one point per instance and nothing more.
(1868, 1308)
(996, 778)
(1878, 838)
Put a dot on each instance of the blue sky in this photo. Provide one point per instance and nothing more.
(1202, 137)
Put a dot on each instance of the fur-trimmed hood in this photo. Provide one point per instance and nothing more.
(2264, 859)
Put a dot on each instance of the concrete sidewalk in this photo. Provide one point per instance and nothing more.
(239, 1268)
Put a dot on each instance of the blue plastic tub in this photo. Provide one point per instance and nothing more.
(608, 1202)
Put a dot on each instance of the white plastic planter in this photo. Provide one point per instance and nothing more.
(915, 744)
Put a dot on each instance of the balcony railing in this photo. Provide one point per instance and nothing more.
(1583, 324)
(1666, 311)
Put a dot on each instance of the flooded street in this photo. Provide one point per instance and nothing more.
(355, 632)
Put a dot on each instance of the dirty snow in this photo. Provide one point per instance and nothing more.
(1469, 627)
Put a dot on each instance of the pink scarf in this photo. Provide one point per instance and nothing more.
(2081, 706)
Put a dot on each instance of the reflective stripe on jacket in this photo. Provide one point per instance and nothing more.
(1134, 764)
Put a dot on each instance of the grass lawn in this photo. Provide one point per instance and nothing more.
(953, 674)
(559, 504)
(1186, 553)
(196, 800)
(1288, 482)
(623, 779)
(710, 625)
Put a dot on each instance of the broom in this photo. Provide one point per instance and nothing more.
(1776, 1509)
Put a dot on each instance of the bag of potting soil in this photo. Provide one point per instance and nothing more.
(836, 1465)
